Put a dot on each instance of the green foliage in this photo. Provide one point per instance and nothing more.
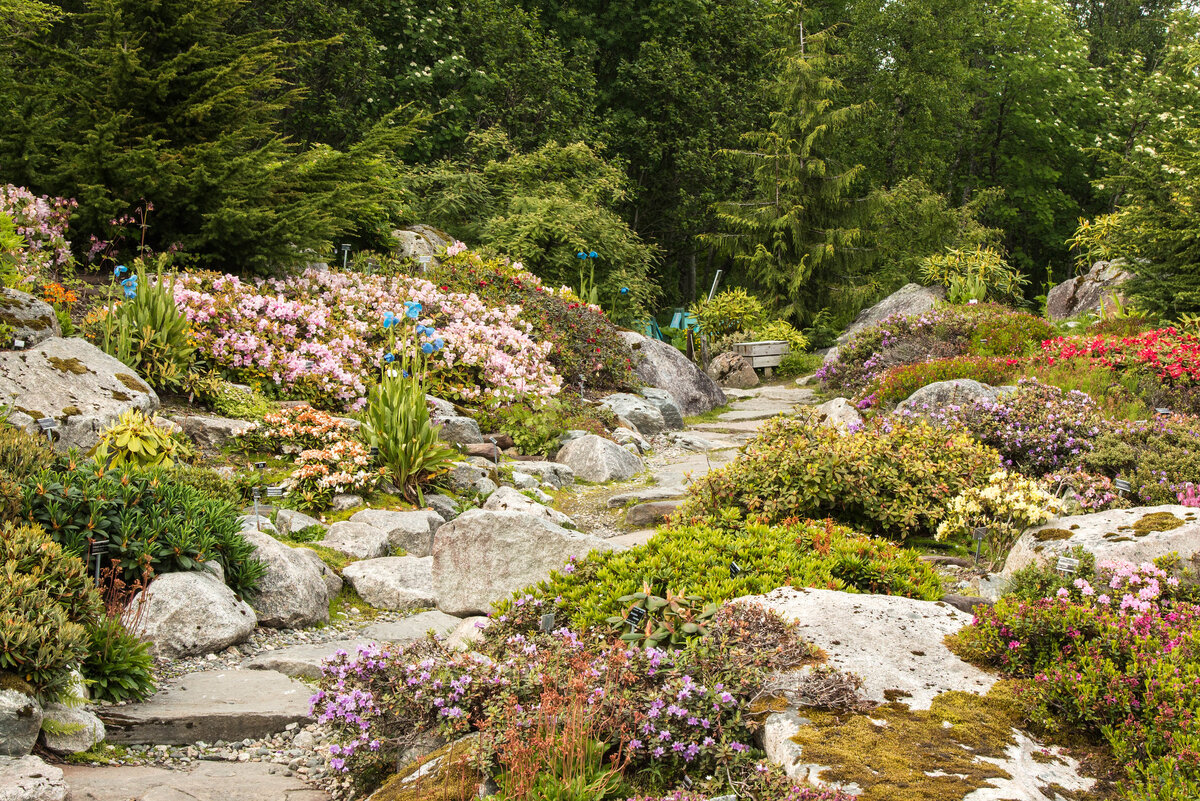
(536, 430)
(970, 272)
(151, 523)
(397, 423)
(134, 442)
(208, 482)
(891, 477)
(118, 666)
(22, 453)
(694, 561)
(1010, 336)
(226, 399)
(149, 333)
(46, 601)
(1035, 581)
(730, 311)
(900, 382)
(668, 622)
(1096, 240)
(782, 330)
(1159, 458)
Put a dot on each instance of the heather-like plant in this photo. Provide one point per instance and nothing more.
(40, 222)
(1081, 491)
(899, 382)
(892, 478)
(1158, 457)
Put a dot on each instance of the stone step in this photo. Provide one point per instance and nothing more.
(300, 661)
(202, 781)
(212, 705)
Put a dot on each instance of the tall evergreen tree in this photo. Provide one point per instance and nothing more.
(794, 234)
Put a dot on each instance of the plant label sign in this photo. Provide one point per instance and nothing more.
(1123, 486)
(980, 534)
(636, 615)
(547, 622)
(1067, 566)
(735, 570)
(274, 492)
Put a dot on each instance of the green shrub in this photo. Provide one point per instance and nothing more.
(898, 383)
(1011, 335)
(118, 666)
(983, 266)
(208, 481)
(135, 442)
(798, 363)
(783, 331)
(397, 423)
(149, 333)
(891, 477)
(1159, 458)
(729, 312)
(46, 601)
(150, 522)
(537, 430)
(228, 400)
(695, 560)
(22, 453)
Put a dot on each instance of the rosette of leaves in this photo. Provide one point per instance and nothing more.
(134, 441)
(668, 622)
(118, 666)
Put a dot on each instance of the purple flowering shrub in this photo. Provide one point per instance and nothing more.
(658, 713)
(1117, 657)
(1037, 429)
(1160, 458)
(762, 783)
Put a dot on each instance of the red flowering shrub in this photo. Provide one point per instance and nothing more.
(899, 382)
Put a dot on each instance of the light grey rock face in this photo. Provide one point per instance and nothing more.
(445, 506)
(839, 413)
(730, 369)
(644, 415)
(440, 409)
(259, 522)
(649, 514)
(483, 556)
(78, 729)
(459, 431)
(412, 531)
(301, 661)
(209, 431)
(191, 614)
(292, 593)
(76, 383)
(1116, 534)
(333, 582)
(628, 439)
(662, 366)
(1086, 292)
(552, 473)
(892, 643)
(525, 481)
(468, 632)
(907, 300)
(464, 475)
(212, 705)
(940, 394)
(484, 487)
(289, 521)
(692, 442)
(412, 628)
(20, 722)
(199, 781)
(507, 499)
(597, 459)
(666, 405)
(420, 240)
(358, 540)
(32, 320)
(28, 778)
(394, 582)
(345, 502)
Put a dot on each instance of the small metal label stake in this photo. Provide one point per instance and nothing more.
(1162, 410)
(1067, 566)
(1123, 486)
(48, 425)
(18, 344)
(547, 622)
(980, 534)
(96, 551)
(636, 615)
(735, 569)
(274, 492)
(424, 261)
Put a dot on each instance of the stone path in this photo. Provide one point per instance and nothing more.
(203, 781)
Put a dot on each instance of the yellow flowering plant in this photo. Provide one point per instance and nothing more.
(1005, 506)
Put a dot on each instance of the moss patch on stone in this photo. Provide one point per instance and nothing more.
(452, 779)
(70, 411)
(1047, 534)
(120, 396)
(894, 761)
(1157, 521)
(36, 414)
(71, 365)
(132, 382)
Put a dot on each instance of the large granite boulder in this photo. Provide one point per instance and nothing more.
(417, 241)
(359, 540)
(481, 557)
(644, 416)
(658, 364)
(76, 383)
(28, 778)
(957, 392)
(1086, 292)
(907, 300)
(507, 499)
(393, 582)
(1140, 534)
(289, 521)
(20, 722)
(596, 459)
(71, 730)
(333, 582)
(292, 593)
(458, 430)
(412, 531)
(731, 370)
(839, 413)
(552, 473)
(210, 431)
(666, 405)
(191, 614)
(32, 320)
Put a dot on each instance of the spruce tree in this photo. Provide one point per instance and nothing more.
(793, 234)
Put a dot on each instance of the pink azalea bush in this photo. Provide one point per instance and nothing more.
(318, 335)
(42, 222)
(1116, 655)
(342, 467)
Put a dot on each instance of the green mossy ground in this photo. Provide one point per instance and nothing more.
(451, 780)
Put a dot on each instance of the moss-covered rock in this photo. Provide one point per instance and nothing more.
(444, 775)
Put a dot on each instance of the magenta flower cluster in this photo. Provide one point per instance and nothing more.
(41, 221)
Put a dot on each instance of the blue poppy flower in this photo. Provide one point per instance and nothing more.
(439, 343)
(426, 348)
(581, 255)
(593, 255)
(389, 357)
(405, 373)
(414, 311)
(120, 268)
(624, 290)
(389, 320)
(430, 331)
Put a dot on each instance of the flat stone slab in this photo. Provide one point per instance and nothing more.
(413, 628)
(645, 496)
(209, 706)
(300, 661)
(201, 781)
(623, 542)
(893, 643)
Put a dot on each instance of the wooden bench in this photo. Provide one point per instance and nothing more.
(765, 355)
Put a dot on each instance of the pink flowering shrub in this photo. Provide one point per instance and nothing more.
(319, 335)
(1115, 655)
(341, 467)
(289, 431)
(42, 222)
